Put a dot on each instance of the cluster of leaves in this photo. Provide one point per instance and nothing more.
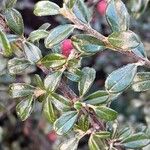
(83, 114)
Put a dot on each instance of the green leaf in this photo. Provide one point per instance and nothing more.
(96, 98)
(46, 8)
(60, 102)
(82, 11)
(63, 124)
(85, 43)
(140, 51)
(21, 90)
(126, 40)
(58, 34)
(2, 108)
(102, 134)
(71, 143)
(38, 35)
(5, 45)
(25, 108)
(138, 140)
(73, 75)
(137, 8)
(97, 143)
(9, 3)
(105, 113)
(117, 16)
(48, 110)
(87, 79)
(38, 81)
(83, 123)
(17, 65)
(141, 82)
(124, 133)
(33, 53)
(14, 21)
(45, 26)
(121, 79)
(70, 3)
(52, 80)
(53, 60)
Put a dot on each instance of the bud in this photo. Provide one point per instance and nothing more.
(66, 47)
(101, 7)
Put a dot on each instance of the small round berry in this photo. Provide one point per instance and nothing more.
(66, 47)
(101, 7)
(52, 136)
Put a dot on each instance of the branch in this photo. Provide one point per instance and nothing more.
(87, 28)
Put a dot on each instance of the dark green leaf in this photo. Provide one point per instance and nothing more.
(82, 11)
(25, 108)
(14, 21)
(87, 79)
(102, 134)
(5, 45)
(63, 124)
(121, 79)
(99, 97)
(46, 8)
(141, 82)
(124, 133)
(85, 43)
(58, 34)
(60, 102)
(117, 16)
(17, 65)
(52, 80)
(21, 90)
(33, 53)
(126, 40)
(48, 110)
(138, 140)
(105, 113)
(37, 35)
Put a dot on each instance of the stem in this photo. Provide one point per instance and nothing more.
(87, 28)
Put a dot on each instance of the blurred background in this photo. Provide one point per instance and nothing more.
(36, 133)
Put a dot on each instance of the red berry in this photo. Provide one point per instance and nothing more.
(52, 136)
(101, 7)
(66, 47)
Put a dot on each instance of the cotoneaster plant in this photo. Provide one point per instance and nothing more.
(68, 112)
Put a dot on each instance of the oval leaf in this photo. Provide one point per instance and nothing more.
(58, 34)
(53, 60)
(52, 81)
(87, 44)
(96, 98)
(117, 16)
(14, 21)
(88, 77)
(48, 110)
(25, 108)
(63, 124)
(138, 140)
(125, 40)
(5, 45)
(16, 65)
(33, 53)
(141, 82)
(45, 8)
(121, 79)
(21, 90)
